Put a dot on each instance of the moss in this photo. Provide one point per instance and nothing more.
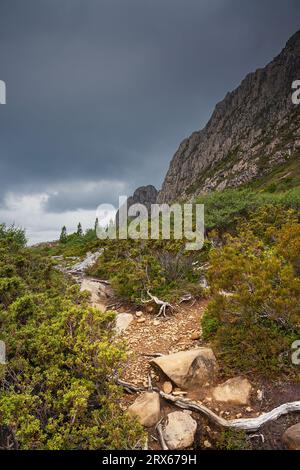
(233, 440)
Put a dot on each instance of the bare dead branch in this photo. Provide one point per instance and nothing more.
(246, 424)
(163, 305)
(161, 437)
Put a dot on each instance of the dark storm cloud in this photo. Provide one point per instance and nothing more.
(105, 90)
(85, 195)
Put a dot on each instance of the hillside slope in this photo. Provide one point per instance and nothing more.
(255, 128)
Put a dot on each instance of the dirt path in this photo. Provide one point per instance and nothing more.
(181, 330)
(148, 335)
(100, 292)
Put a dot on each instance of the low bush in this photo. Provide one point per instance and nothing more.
(254, 315)
(56, 390)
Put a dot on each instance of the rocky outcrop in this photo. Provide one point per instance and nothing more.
(188, 369)
(179, 430)
(145, 195)
(89, 260)
(253, 129)
(291, 437)
(235, 391)
(146, 408)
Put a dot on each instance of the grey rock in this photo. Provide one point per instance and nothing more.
(188, 369)
(179, 430)
(145, 195)
(146, 408)
(123, 321)
(291, 437)
(236, 391)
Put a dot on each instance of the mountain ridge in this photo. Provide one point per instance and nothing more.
(252, 130)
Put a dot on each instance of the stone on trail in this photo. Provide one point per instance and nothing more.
(291, 437)
(195, 335)
(139, 314)
(236, 391)
(123, 321)
(146, 408)
(179, 430)
(188, 369)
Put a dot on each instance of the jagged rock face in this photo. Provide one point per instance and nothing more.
(253, 129)
(145, 195)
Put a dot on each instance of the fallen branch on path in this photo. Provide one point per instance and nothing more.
(99, 281)
(152, 355)
(130, 388)
(246, 424)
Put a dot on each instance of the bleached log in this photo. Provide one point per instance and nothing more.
(129, 387)
(245, 424)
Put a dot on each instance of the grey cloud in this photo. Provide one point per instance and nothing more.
(107, 89)
(86, 195)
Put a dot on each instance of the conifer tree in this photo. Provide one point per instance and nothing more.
(63, 235)
(79, 230)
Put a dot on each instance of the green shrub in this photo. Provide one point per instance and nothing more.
(56, 390)
(224, 208)
(254, 315)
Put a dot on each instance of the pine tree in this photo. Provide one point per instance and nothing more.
(79, 230)
(63, 235)
(96, 224)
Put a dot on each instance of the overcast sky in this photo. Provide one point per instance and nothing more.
(100, 94)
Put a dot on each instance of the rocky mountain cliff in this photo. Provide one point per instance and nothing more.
(145, 195)
(254, 128)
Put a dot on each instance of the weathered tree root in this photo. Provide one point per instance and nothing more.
(163, 305)
(246, 424)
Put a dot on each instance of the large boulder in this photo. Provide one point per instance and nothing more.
(236, 391)
(188, 369)
(123, 321)
(146, 408)
(291, 437)
(179, 430)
